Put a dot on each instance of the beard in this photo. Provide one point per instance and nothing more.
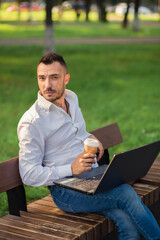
(55, 95)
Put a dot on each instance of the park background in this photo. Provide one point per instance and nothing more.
(115, 71)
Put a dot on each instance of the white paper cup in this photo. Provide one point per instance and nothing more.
(91, 146)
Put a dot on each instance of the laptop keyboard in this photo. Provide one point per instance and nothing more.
(87, 183)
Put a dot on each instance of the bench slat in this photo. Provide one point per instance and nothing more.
(40, 228)
(153, 191)
(153, 175)
(31, 230)
(13, 236)
(49, 224)
(50, 211)
(46, 218)
(92, 216)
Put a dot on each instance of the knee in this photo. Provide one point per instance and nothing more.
(128, 192)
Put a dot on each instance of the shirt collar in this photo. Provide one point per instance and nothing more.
(45, 104)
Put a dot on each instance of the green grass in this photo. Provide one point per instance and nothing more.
(115, 83)
(76, 29)
(67, 26)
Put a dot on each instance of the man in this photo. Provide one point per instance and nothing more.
(51, 136)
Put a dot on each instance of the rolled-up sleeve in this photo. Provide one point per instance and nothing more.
(31, 155)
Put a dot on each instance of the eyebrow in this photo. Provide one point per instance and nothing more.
(51, 75)
(55, 74)
(41, 75)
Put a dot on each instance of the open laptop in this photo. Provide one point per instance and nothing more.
(123, 168)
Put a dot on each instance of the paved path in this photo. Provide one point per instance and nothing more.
(109, 40)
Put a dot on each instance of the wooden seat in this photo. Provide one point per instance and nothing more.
(43, 220)
(153, 175)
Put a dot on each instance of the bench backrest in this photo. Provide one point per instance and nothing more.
(109, 135)
(10, 180)
(9, 174)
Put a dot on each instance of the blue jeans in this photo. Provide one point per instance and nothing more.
(121, 204)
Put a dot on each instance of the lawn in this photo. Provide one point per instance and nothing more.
(67, 26)
(75, 29)
(115, 83)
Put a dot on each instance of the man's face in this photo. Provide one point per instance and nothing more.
(52, 80)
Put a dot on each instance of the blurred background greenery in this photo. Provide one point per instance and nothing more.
(115, 82)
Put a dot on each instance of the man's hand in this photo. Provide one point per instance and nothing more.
(83, 163)
(100, 148)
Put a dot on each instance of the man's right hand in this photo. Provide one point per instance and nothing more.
(83, 163)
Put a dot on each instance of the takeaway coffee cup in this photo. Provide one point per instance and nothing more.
(91, 146)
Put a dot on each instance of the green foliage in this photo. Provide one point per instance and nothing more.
(115, 83)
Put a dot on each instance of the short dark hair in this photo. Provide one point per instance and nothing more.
(53, 57)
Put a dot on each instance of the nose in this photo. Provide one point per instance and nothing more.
(47, 83)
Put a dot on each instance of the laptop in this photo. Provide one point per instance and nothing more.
(123, 168)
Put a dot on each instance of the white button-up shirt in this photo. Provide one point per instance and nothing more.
(50, 140)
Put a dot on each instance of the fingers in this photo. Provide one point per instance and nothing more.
(101, 152)
(86, 161)
(89, 156)
(82, 163)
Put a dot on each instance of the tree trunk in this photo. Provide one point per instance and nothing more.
(19, 10)
(0, 8)
(77, 10)
(159, 8)
(102, 11)
(49, 32)
(30, 11)
(136, 26)
(87, 3)
(60, 10)
(125, 21)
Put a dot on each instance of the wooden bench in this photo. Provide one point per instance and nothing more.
(43, 220)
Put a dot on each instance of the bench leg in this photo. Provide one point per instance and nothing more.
(16, 200)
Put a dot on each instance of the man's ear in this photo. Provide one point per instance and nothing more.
(67, 77)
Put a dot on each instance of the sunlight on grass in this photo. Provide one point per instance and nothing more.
(150, 17)
(76, 29)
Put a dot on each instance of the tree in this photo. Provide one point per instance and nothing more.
(159, 8)
(19, 9)
(0, 8)
(102, 10)
(87, 6)
(49, 32)
(136, 26)
(125, 21)
(77, 9)
(29, 10)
